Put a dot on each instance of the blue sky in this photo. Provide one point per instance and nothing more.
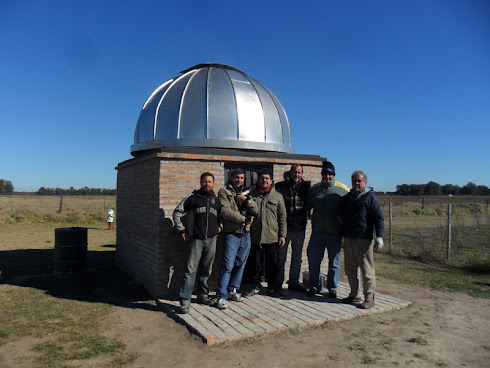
(399, 89)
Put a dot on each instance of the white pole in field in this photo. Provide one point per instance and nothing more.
(391, 222)
(448, 231)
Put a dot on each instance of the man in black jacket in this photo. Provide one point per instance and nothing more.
(360, 213)
(202, 209)
(295, 192)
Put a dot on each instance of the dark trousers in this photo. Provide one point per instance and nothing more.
(254, 268)
(263, 260)
(271, 252)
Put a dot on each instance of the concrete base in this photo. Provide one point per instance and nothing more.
(262, 314)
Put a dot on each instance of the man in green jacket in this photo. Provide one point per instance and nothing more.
(268, 233)
(324, 199)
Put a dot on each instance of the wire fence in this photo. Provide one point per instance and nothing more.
(418, 227)
(455, 230)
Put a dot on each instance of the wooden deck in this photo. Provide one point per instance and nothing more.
(262, 314)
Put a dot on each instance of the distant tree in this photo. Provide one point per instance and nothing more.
(416, 189)
(450, 189)
(403, 189)
(469, 189)
(432, 188)
(6, 187)
(483, 190)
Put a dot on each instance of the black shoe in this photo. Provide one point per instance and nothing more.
(251, 292)
(298, 288)
(206, 300)
(312, 292)
(275, 293)
(351, 299)
(332, 294)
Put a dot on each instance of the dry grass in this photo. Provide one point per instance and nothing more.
(66, 317)
(51, 204)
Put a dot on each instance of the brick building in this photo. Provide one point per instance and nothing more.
(211, 118)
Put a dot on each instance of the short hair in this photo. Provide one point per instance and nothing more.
(357, 173)
(203, 175)
(295, 166)
(235, 172)
(264, 172)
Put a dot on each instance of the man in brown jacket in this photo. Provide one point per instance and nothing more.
(268, 233)
(237, 213)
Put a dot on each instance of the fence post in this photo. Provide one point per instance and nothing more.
(61, 204)
(104, 204)
(402, 205)
(391, 233)
(423, 202)
(11, 204)
(448, 231)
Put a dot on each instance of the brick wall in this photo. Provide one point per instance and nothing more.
(149, 188)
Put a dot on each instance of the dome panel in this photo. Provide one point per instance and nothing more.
(222, 114)
(193, 114)
(169, 108)
(213, 105)
(273, 129)
(146, 121)
(286, 133)
(251, 124)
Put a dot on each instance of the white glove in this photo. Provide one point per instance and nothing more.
(378, 244)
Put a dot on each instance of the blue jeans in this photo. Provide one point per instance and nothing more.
(201, 253)
(316, 251)
(235, 254)
(296, 238)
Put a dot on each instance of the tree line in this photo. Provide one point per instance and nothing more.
(433, 188)
(74, 192)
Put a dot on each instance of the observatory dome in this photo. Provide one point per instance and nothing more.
(213, 105)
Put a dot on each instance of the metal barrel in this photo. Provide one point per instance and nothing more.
(70, 250)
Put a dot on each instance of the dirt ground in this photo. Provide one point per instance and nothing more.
(439, 329)
(442, 329)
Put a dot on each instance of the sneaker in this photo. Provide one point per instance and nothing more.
(221, 304)
(251, 292)
(367, 304)
(234, 297)
(205, 299)
(332, 294)
(298, 288)
(312, 292)
(351, 299)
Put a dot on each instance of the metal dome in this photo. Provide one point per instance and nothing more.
(213, 105)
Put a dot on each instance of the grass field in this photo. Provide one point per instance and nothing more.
(51, 204)
(65, 319)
